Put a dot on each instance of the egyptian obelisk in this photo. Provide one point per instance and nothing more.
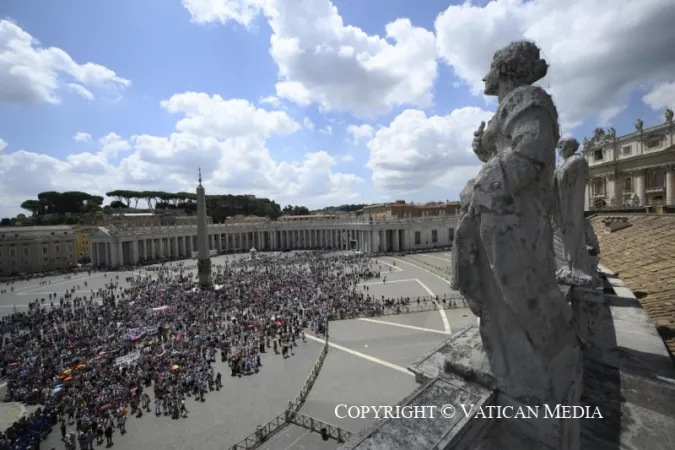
(203, 257)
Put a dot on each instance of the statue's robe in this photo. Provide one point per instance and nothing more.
(575, 266)
(504, 258)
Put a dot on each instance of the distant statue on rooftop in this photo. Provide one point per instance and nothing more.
(574, 264)
(503, 249)
(669, 115)
(639, 125)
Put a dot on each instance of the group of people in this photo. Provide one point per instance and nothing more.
(92, 360)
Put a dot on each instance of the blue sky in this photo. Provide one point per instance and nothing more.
(289, 139)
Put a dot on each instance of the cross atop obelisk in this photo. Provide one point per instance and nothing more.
(203, 256)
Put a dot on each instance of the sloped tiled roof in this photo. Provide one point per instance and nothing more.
(644, 256)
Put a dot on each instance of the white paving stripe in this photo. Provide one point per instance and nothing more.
(398, 269)
(422, 268)
(411, 327)
(435, 257)
(441, 310)
(12, 306)
(297, 440)
(390, 281)
(364, 356)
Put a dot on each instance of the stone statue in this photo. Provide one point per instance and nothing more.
(638, 125)
(611, 133)
(598, 135)
(574, 265)
(587, 144)
(635, 201)
(669, 115)
(503, 249)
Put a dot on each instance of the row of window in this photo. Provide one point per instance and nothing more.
(653, 180)
(627, 150)
(45, 250)
(434, 236)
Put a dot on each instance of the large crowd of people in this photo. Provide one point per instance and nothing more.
(92, 360)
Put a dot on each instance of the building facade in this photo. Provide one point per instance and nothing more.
(124, 247)
(25, 250)
(402, 209)
(83, 242)
(637, 169)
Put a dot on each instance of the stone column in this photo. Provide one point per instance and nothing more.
(113, 254)
(134, 251)
(120, 254)
(611, 190)
(395, 240)
(587, 196)
(640, 187)
(670, 185)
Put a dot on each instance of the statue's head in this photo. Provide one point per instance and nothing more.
(518, 64)
(568, 147)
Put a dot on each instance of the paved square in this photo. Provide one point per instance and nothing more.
(366, 364)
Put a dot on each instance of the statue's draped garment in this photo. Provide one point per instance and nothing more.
(575, 265)
(503, 250)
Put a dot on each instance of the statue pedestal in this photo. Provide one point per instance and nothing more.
(458, 373)
(204, 273)
(594, 321)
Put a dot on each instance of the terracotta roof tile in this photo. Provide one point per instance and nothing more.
(644, 256)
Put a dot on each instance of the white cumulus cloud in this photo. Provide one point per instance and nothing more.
(599, 52)
(227, 138)
(32, 74)
(661, 96)
(340, 67)
(82, 137)
(417, 151)
(360, 133)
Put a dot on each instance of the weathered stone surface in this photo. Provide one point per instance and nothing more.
(458, 432)
(503, 251)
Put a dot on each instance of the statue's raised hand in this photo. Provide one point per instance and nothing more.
(477, 144)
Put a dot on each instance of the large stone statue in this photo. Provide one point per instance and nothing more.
(575, 265)
(503, 250)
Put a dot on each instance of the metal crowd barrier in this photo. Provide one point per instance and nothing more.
(427, 303)
(316, 426)
(264, 432)
(443, 272)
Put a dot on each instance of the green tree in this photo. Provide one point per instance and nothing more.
(35, 207)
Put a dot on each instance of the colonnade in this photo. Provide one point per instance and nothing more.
(129, 247)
